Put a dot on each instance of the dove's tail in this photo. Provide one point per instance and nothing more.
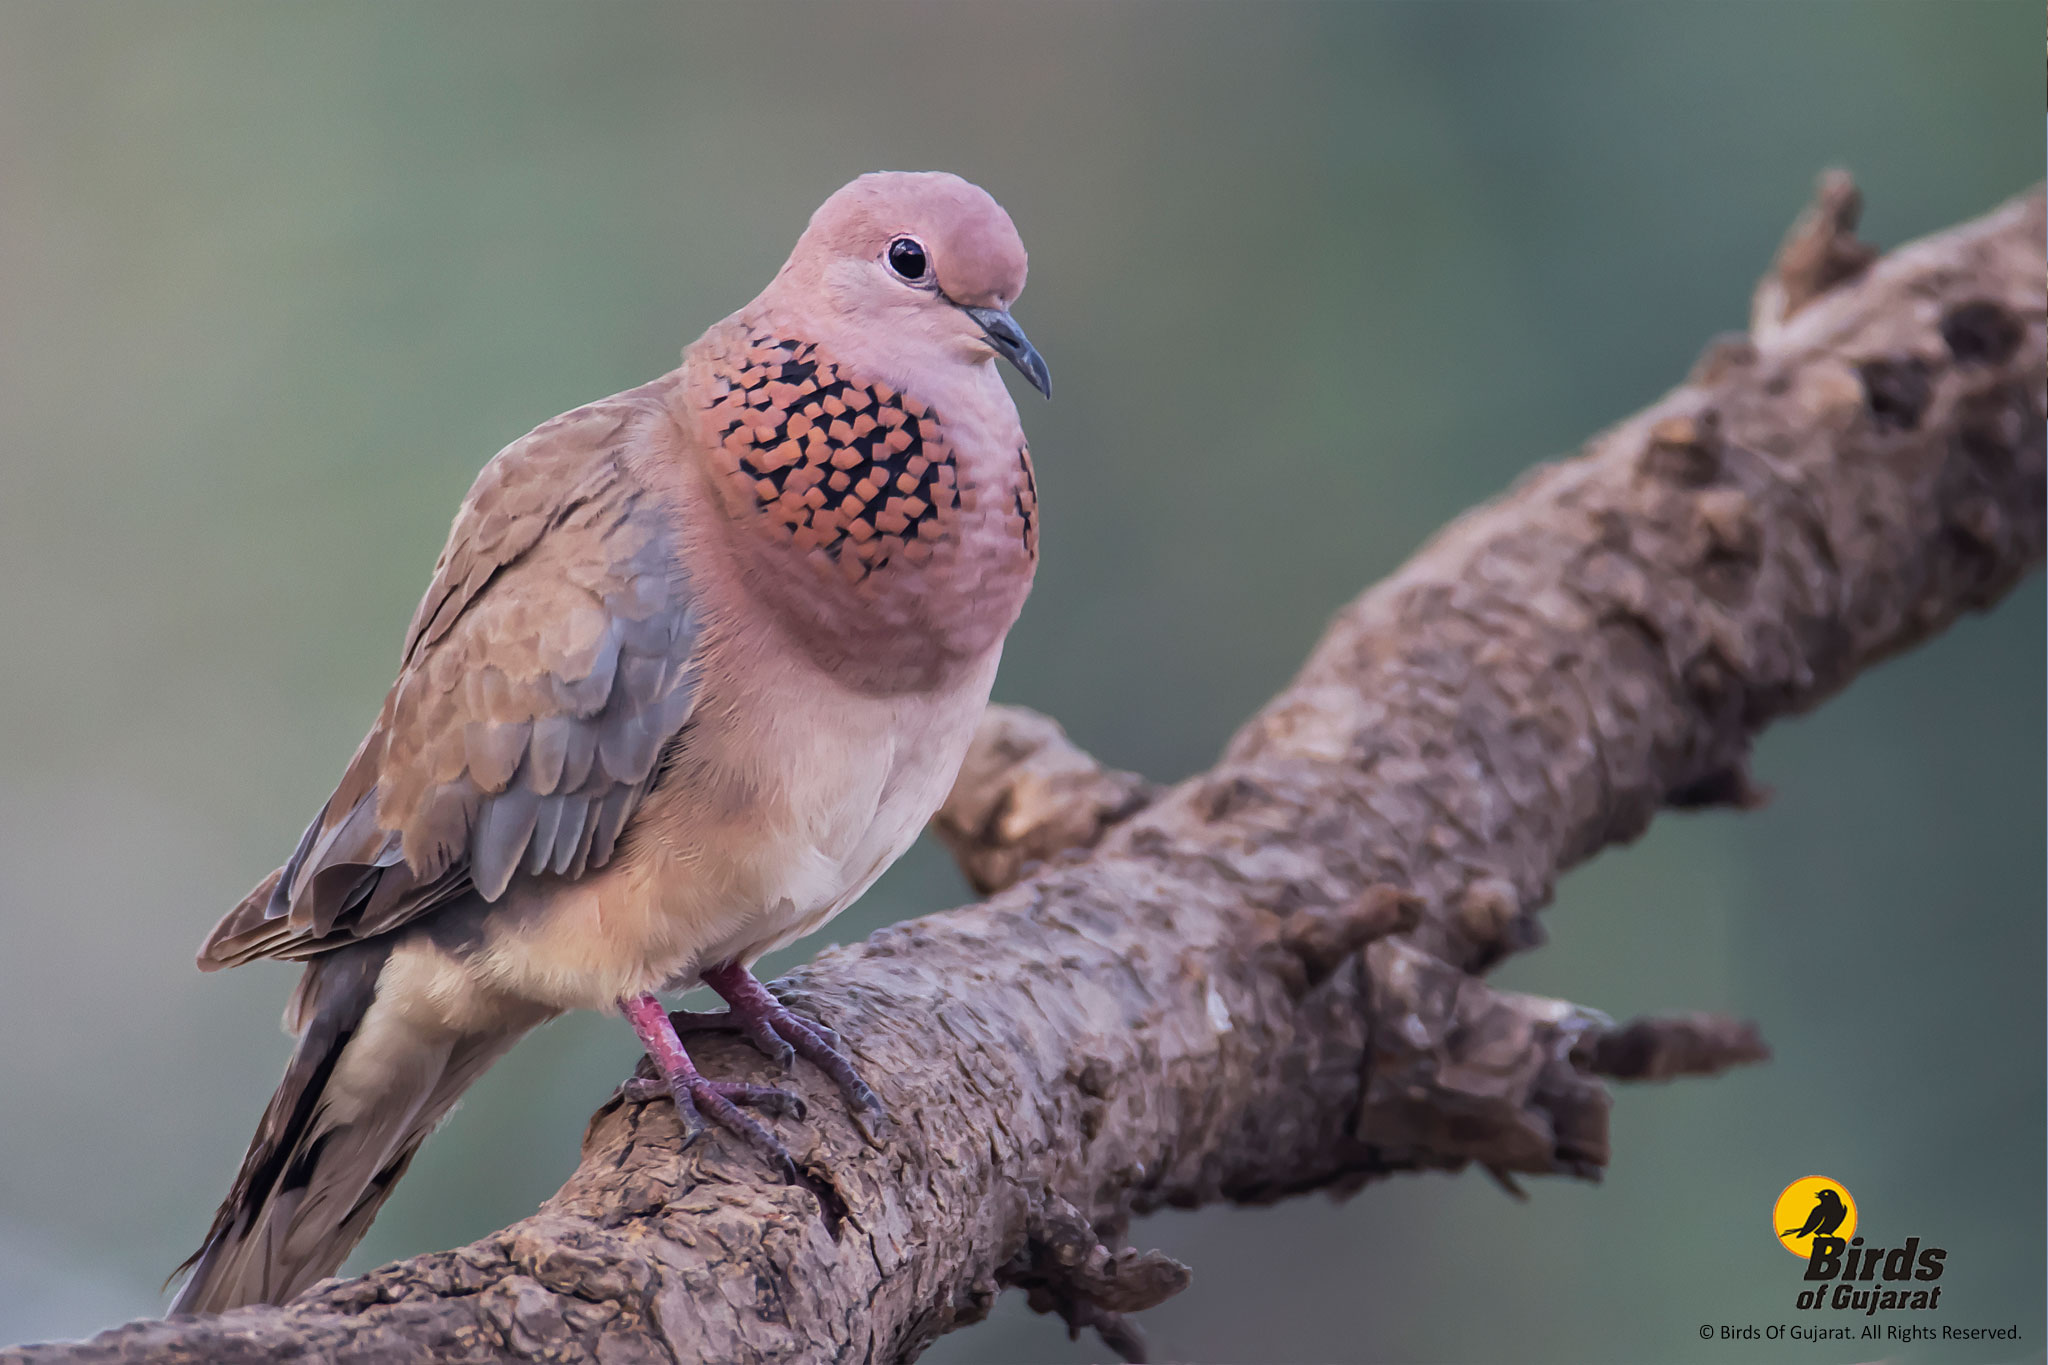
(361, 1093)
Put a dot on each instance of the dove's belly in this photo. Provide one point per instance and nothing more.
(783, 804)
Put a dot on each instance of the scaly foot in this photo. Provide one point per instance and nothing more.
(784, 1104)
(780, 1032)
(697, 1096)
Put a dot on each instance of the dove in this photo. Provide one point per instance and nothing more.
(696, 665)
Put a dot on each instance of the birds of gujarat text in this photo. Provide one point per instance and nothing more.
(697, 663)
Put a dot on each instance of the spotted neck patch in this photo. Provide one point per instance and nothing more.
(854, 469)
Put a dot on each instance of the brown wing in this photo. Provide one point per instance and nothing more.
(548, 664)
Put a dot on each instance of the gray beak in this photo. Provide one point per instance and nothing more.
(1011, 344)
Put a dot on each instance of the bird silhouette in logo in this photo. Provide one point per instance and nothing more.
(1828, 1213)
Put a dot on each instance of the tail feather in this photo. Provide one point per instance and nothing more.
(359, 1096)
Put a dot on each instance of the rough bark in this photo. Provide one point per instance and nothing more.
(1262, 981)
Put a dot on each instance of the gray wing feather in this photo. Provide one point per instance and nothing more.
(504, 836)
(548, 668)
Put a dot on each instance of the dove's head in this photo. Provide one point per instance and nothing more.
(916, 261)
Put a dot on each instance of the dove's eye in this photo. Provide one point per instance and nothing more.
(906, 258)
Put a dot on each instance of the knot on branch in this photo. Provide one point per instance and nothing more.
(1819, 253)
(1458, 1072)
(1027, 794)
(1495, 918)
(1064, 1268)
(1685, 449)
(1730, 785)
(1661, 1047)
(1315, 942)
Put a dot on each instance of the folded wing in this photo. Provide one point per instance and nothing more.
(547, 667)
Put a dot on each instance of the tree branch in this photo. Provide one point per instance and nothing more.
(1262, 981)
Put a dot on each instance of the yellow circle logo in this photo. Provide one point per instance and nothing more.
(1812, 1206)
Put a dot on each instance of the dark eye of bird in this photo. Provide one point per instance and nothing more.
(906, 258)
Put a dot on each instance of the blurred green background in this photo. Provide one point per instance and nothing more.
(275, 280)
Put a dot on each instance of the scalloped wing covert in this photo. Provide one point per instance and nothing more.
(546, 668)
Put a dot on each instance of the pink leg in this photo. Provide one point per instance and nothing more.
(695, 1094)
(779, 1032)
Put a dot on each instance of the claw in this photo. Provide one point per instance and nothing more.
(642, 1090)
(771, 1026)
(766, 1098)
(697, 1097)
(818, 1046)
(709, 1099)
(780, 1032)
(754, 1028)
(785, 1104)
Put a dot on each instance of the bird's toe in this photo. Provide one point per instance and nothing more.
(766, 1098)
(711, 1097)
(760, 1032)
(643, 1090)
